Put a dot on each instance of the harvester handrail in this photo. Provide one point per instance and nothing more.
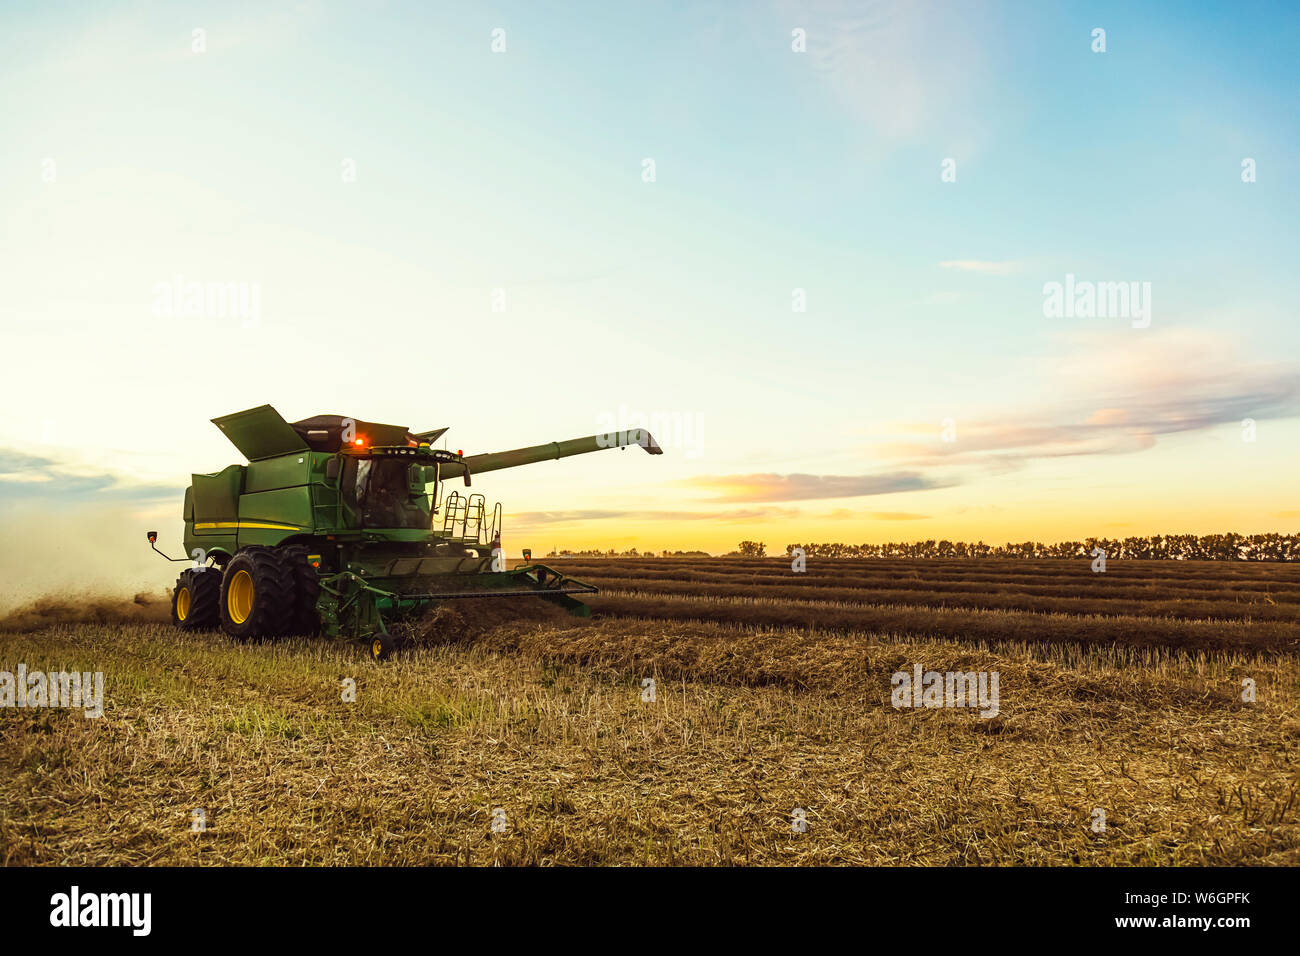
(474, 519)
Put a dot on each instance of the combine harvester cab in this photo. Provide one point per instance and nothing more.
(341, 526)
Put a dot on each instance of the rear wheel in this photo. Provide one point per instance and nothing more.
(257, 594)
(196, 602)
(306, 588)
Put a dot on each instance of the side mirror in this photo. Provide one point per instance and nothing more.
(332, 469)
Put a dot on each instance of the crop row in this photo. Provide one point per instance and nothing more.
(1172, 571)
(1189, 609)
(957, 624)
(1097, 588)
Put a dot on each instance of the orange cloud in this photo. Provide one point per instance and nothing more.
(1108, 416)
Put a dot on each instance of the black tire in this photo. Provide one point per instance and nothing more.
(257, 594)
(381, 647)
(306, 589)
(196, 602)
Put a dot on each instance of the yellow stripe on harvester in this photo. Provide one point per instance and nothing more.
(241, 525)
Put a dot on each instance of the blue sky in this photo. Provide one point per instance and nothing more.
(774, 171)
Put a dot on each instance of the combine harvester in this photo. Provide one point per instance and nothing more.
(333, 525)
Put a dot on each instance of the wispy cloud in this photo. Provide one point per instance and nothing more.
(903, 68)
(28, 477)
(531, 518)
(773, 487)
(1116, 399)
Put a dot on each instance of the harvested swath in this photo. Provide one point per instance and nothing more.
(694, 651)
(851, 663)
(1176, 608)
(1081, 569)
(465, 620)
(1075, 567)
(978, 569)
(1022, 565)
(866, 574)
(1098, 588)
(960, 625)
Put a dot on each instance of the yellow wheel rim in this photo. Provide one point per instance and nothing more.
(182, 604)
(239, 597)
(377, 648)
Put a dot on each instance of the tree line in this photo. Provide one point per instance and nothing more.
(1177, 547)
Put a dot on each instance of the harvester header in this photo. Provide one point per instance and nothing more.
(338, 523)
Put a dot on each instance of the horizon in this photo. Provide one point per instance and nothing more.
(1244, 547)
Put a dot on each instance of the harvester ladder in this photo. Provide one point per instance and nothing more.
(457, 508)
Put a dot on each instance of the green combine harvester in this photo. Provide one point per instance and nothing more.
(341, 526)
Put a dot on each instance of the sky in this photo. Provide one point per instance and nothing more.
(812, 245)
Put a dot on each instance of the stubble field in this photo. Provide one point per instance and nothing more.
(1124, 731)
